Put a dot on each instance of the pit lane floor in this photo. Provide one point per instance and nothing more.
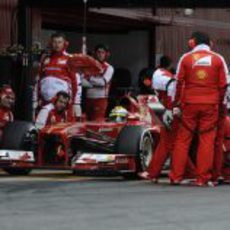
(60, 201)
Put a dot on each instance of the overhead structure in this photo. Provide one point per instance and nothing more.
(137, 3)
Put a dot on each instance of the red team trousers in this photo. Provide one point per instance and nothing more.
(219, 141)
(164, 150)
(202, 118)
(96, 108)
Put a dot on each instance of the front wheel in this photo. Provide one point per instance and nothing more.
(146, 151)
(136, 141)
(19, 135)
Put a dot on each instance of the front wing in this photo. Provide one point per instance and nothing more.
(105, 162)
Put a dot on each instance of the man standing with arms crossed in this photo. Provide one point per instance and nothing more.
(97, 94)
(201, 84)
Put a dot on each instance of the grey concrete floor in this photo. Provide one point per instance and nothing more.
(59, 201)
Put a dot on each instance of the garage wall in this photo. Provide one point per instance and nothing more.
(7, 22)
(172, 39)
(129, 50)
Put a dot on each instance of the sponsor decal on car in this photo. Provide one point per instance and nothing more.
(95, 158)
(17, 155)
(105, 129)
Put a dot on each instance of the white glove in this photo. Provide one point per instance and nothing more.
(167, 117)
(176, 111)
(77, 110)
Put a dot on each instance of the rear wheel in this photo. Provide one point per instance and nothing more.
(19, 135)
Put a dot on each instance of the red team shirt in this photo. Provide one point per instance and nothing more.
(49, 116)
(55, 76)
(163, 83)
(205, 79)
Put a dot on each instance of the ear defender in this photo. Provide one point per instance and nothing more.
(66, 44)
(147, 82)
(192, 43)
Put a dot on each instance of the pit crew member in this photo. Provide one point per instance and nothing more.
(97, 94)
(201, 82)
(163, 83)
(54, 73)
(219, 141)
(7, 100)
(55, 112)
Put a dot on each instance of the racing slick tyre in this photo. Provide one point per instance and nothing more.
(17, 171)
(19, 135)
(137, 141)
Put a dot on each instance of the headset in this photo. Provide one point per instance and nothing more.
(192, 43)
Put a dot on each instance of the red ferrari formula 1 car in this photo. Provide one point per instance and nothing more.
(121, 147)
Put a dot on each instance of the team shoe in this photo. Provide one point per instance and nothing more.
(154, 180)
(198, 183)
(145, 175)
(220, 180)
(175, 182)
(187, 181)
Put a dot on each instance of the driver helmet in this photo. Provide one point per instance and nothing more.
(118, 114)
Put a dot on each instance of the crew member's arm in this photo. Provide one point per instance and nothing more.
(73, 79)
(104, 80)
(228, 93)
(223, 79)
(171, 89)
(42, 118)
(78, 95)
(11, 117)
(37, 90)
(180, 74)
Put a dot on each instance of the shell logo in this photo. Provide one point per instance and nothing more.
(201, 74)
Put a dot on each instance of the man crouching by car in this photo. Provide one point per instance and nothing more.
(7, 100)
(55, 112)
